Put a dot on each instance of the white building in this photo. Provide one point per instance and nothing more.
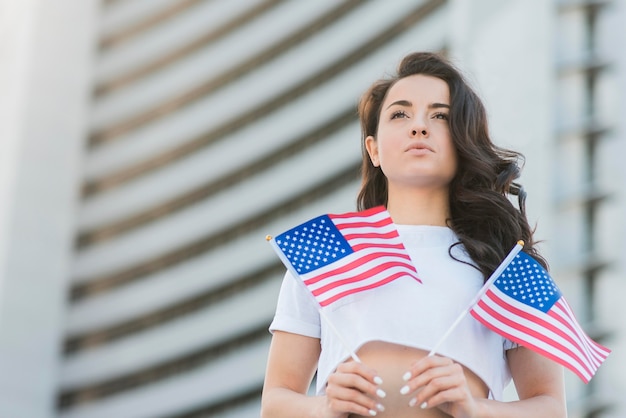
(148, 146)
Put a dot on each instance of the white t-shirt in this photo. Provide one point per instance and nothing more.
(404, 312)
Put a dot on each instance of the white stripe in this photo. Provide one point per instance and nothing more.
(362, 230)
(356, 256)
(539, 329)
(375, 241)
(363, 283)
(525, 338)
(361, 218)
(580, 337)
(579, 348)
(355, 271)
(598, 350)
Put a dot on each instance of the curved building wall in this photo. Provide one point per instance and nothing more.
(213, 124)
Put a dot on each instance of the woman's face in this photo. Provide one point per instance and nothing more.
(413, 146)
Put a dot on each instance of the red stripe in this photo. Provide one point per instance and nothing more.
(594, 349)
(364, 224)
(360, 289)
(582, 340)
(375, 271)
(516, 325)
(560, 318)
(512, 323)
(527, 344)
(372, 235)
(360, 247)
(362, 214)
(354, 264)
(360, 277)
(541, 322)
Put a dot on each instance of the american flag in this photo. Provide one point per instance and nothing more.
(338, 255)
(525, 305)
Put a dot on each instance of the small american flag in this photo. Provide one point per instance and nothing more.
(338, 255)
(525, 305)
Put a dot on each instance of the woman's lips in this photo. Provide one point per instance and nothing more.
(419, 149)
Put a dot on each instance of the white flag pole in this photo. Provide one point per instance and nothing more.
(323, 315)
(498, 271)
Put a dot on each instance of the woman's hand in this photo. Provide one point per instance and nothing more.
(353, 388)
(437, 381)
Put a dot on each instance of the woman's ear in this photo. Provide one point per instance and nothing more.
(371, 145)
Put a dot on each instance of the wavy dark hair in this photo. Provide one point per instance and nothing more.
(481, 214)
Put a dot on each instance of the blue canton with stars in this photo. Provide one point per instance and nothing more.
(526, 281)
(313, 244)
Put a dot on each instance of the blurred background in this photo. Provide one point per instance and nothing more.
(148, 146)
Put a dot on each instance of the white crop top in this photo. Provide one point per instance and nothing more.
(405, 312)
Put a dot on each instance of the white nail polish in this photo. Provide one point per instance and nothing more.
(380, 407)
(405, 389)
(423, 405)
(373, 413)
(412, 402)
(406, 376)
(378, 380)
(381, 393)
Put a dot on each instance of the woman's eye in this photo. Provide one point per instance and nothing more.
(443, 116)
(398, 114)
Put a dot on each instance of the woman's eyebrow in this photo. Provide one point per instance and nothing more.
(438, 106)
(406, 103)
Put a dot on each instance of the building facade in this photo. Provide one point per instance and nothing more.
(149, 146)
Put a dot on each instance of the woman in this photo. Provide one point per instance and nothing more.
(428, 158)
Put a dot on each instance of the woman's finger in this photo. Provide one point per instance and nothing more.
(352, 388)
(422, 380)
(424, 364)
(444, 386)
(360, 369)
(360, 377)
(446, 397)
(450, 384)
(342, 406)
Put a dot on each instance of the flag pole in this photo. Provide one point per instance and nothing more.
(498, 271)
(321, 312)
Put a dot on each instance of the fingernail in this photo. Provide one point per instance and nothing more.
(412, 402)
(381, 393)
(406, 376)
(423, 405)
(378, 380)
(380, 407)
(405, 389)
(373, 413)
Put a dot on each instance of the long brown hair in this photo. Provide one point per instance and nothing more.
(481, 214)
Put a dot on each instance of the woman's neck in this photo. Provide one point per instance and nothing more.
(419, 207)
